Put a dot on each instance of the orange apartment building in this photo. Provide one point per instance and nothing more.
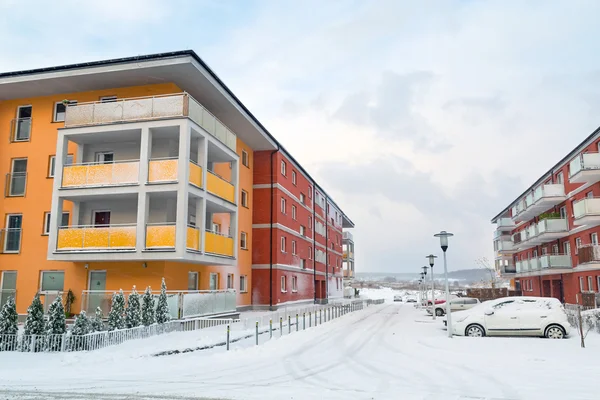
(547, 239)
(124, 171)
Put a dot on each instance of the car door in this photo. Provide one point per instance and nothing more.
(502, 319)
(470, 303)
(533, 317)
(457, 305)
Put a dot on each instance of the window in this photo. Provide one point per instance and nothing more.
(294, 177)
(244, 240)
(329, 259)
(589, 194)
(282, 205)
(293, 212)
(598, 282)
(60, 110)
(105, 157)
(310, 253)
(563, 212)
(18, 177)
(594, 238)
(535, 253)
(216, 228)
(560, 178)
(283, 168)
(214, 281)
(577, 243)
(245, 161)
(544, 251)
(302, 198)
(229, 281)
(310, 192)
(101, 218)
(243, 284)
(52, 164)
(302, 263)
(581, 288)
(244, 198)
(302, 231)
(192, 281)
(294, 284)
(555, 249)
(53, 281)
(22, 125)
(567, 248)
(283, 244)
(63, 222)
(12, 236)
(283, 284)
(293, 247)
(310, 222)
(8, 286)
(590, 284)
(108, 99)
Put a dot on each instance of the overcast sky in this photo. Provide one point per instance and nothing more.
(415, 116)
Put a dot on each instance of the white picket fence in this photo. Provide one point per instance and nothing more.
(98, 340)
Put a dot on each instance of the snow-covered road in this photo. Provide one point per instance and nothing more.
(392, 351)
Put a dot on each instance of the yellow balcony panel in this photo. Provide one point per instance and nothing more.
(160, 236)
(220, 187)
(97, 238)
(163, 170)
(195, 174)
(192, 241)
(218, 244)
(118, 173)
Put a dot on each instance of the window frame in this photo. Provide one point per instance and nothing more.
(47, 219)
(282, 284)
(244, 198)
(294, 284)
(245, 159)
(52, 164)
(293, 247)
(42, 273)
(581, 282)
(54, 110)
(590, 283)
(283, 168)
(294, 178)
(293, 212)
(594, 238)
(6, 226)
(244, 240)
(12, 174)
(283, 244)
(230, 279)
(243, 283)
(302, 198)
(283, 205)
(310, 253)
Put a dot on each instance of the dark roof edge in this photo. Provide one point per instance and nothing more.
(573, 152)
(174, 54)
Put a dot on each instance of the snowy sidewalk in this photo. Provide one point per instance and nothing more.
(381, 352)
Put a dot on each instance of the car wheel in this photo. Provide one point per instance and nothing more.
(439, 312)
(474, 331)
(555, 332)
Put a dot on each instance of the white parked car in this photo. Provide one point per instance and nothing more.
(513, 316)
(457, 304)
(397, 298)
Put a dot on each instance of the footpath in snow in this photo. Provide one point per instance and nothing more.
(390, 351)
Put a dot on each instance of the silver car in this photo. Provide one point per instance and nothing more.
(458, 304)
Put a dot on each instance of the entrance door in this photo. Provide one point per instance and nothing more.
(97, 296)
(101, 218)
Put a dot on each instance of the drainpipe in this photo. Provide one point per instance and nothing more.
(314, 250)
(271, 235)
(326, 248)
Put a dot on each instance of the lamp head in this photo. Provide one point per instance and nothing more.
(443, 235)
(431, 258)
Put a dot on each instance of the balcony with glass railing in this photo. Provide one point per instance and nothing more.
(220, 187)
(542, 198)
(10, 239)
(347, 236)
(555, 261)
(505, 224)
(117, 237)
(97, 174)
(551, 229)
(522, 266)
(218, 244)
(504, 246)
(20, 130)
(587, 212)
(585, 168)
(149, 108)
(16, 184)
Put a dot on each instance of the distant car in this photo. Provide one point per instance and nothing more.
(411, 299)
(514, 316)
(397, 298)
(458, 304)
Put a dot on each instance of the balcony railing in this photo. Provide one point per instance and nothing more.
(504, 246)
(220, 187)
(586, 161)
(192, 241)
(347, 235)
(149, 108)
(93, 238)
(16, 184)
(508, 269)
(589, 254)
(216, 243)
(10, 238)
(552, 225)
(586, 207)
(348, 255)
(95, 174)
(522, 266)
(160, 236)
(559, 261)
(161, 170)
(20, 130)
(195, 174)
(504, 223)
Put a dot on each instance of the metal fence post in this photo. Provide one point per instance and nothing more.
(303, 321)
(227, 337)
(63, 343)
(289, 324)
(257, 333)
(309, 319)
(280, 326)
(270, 328)
(321, 316)
(296, 322)
(32, 348)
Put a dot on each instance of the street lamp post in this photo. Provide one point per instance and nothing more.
(420, 289)
(432, 258)
(424, 274)
(443, 235)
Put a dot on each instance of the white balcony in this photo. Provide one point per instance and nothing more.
(587, 212)
(522, 266)
(555, 262)
(504, 247)
(541, 199)
(505, 224)
(551, 229)
(585, 168)
(347, 236)
(502, 235)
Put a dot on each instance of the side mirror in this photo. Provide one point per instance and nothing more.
(489, 312)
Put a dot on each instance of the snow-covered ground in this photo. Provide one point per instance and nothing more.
(389, 351)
